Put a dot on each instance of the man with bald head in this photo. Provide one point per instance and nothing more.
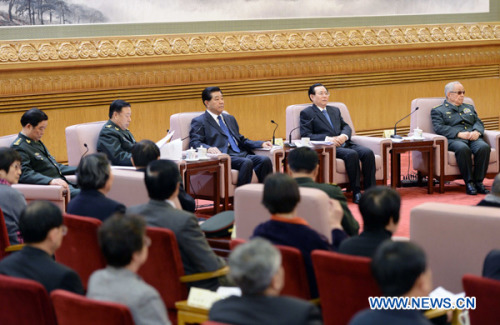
(461, 125)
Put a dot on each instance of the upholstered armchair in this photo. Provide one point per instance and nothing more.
(335, 171)
(82, 139)
(446, 167)
(203, 186)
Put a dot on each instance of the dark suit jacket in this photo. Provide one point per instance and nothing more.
(491, 268)
(207, 133)
(390, 317)
(350, 225)
(319, 127)
(196, 254)
(92, 203)
(262, 310)
(365, 244)
(35, 264)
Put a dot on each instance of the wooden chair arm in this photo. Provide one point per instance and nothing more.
(14, 248)
(205, 275)
(315, 301)
(433, 313)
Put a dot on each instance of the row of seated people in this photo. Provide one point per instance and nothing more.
(275, 195)
(219, 133)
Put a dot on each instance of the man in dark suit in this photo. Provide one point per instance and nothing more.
(38, 165)
(162, 181)
(379, 207)
(303, 163)
(463, 128)
(491, 268)
(95, 180)
(219, 133)
(41, 225)
(256, 268)
(320, 122)
(115, 139)
(401, 270)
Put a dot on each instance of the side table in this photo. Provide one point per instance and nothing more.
(424, 146)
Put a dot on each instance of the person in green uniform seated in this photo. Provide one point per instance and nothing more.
(304, 168)
(459, 123)
(115, 139)
(37, 164)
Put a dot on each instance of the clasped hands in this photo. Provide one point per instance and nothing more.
(338, 140)
(472, 136)
(215, 150)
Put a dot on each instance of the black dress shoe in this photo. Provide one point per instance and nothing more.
(356, 197)
(470, 188)
(481, 189)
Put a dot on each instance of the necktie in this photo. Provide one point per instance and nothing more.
(328, 118)
(229, 136)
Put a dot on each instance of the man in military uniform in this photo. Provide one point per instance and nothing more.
(38, 166)
(460, 124)
(115, 139)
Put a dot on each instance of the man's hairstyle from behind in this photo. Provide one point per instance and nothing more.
(449, 87)
(206, 94)
(116, 106)
(396, 266)
(495, 188)
(7, 157)
(120, 236)
(37, 219)
(33, 117)
(161, 177)
(252, 265)
(312, 91)
(93, 171)
(303, 159)
(281, 193)
(144, 152)
(378, 205)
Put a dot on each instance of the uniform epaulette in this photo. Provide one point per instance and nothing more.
(18, 141)
(437, 106)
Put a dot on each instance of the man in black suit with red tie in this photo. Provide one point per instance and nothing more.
(219, 133)
(320, 122)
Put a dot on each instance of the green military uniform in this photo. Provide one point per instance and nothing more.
(448, 120)
(116, 144)
(38, 166)
(350, 225)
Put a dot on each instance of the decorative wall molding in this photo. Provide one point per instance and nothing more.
(271, 42)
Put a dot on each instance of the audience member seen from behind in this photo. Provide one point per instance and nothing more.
(42, 228)
(491, 268)
(400, 269)
(115, 139)
(38, 165)
(12, 202)
(162, 182)
(124, 245)
(146, 151)
(379, 207)
(281, 196)
(304, 168)
(256, 268)
(94, 179)
(492, 199)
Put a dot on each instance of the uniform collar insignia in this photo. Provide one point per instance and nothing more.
(108, 126)
(28, 140)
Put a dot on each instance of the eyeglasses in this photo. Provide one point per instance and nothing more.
(147, 241)
(322, 93)
(460, 92)
(64, 229)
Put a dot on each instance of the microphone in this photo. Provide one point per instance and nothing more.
(187, 136)
(272, 121)
(293, 145)
(86, 151)
(395, 136)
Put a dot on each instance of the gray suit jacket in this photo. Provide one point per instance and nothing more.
(196, 254)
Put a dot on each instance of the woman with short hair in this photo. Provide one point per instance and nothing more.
(12, 202)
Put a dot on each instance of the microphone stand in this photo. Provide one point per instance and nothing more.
(290, 143)
(395, 136)
(274, 132)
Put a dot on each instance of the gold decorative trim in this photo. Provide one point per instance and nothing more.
(167, 46)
